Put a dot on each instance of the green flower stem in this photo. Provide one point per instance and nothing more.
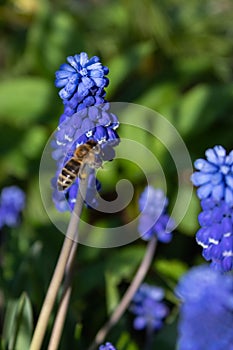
(64, 302)
(125, 301)
(70, 238)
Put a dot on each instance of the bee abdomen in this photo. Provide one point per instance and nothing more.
(68, 174)
(72, 166)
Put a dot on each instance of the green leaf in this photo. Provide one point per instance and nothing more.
(78, 331)
(62, 27)
(121, 66)
(192, 107)
(15, 164)
(34, 141)
(121, 266)
(203, 105)
(189, 223)
(159, 96)
(35, 209)
(124, 262)
(17, 329)
(112, 293)
(2, 344)
(172, 269)
(23, 100)
(125, 342)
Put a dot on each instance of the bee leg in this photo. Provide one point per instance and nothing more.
(83, 172)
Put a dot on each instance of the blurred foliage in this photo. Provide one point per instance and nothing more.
(173, 56)
(18, 322)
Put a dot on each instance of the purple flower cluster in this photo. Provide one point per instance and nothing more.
(82, 81)
(216, 233)
(154, 221)
(149, 308)
(206, 313)
(214, 177)
(87, 116)
(214, 180)
(107, 346)
(12, 202)
(96, 123)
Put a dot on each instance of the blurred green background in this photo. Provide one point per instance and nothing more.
(174, 56)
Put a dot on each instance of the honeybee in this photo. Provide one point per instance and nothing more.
(88, 154)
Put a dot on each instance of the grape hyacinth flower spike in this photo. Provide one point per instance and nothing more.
(215, 187)
(82, 82)
(87, 118)
(149, 308)
(12, 202)
(154, 221)
(206, 312)
(216, 234)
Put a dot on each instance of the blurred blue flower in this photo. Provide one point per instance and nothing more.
(214, 177)
(216, 233)
(206, 313)
(107, 346)
(12, 202)
(153, 219)
(82, 81)
(87, 116)
(149, 308)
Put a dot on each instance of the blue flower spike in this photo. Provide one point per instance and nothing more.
(87, 117)
(206, 313)
(82, 81)
(154, 221)
(216, 234)
(12, 202)
(149, 308)
(214, 180)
